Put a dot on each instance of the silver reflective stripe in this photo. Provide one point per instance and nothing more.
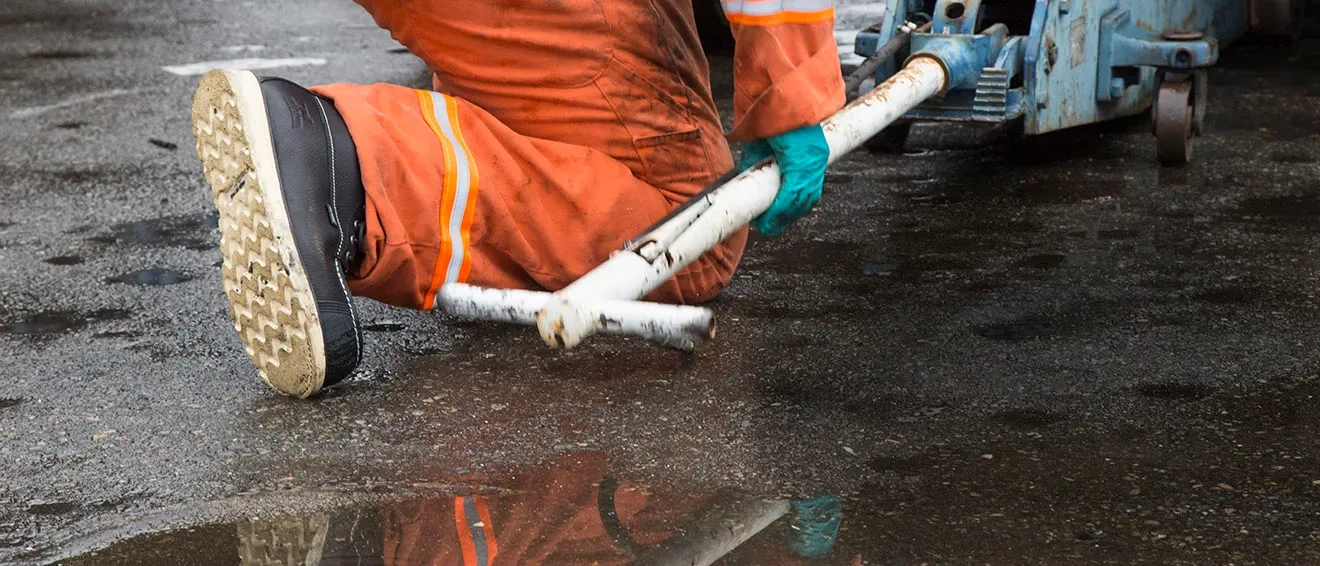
(807, 5)
(462, 187)
(732, 6)
(771, 7)
(476, 528)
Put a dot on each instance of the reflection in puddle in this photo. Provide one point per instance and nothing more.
(64, 260)
(571, 513)
(190, 231)
(58, 322)
(153, 276)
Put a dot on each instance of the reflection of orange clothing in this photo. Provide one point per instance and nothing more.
(552, 519)
(564, 128)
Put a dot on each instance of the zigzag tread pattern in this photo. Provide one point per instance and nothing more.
(266, 304)
(289, 541)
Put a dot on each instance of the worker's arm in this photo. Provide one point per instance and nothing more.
(785, 65)
(786, 81)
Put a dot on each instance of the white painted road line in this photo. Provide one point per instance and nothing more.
(80, 99)
(248, 64)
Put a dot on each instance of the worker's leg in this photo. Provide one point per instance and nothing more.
(585, 121)
(569, 127)
(453, 195)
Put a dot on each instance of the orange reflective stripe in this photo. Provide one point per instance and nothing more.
(458, 200)
(780, 18)
(438, 272)
(470, 207)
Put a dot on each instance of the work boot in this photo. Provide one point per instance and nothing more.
(284, 175)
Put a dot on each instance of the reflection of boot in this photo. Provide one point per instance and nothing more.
(284, 174)
(283, 541)
(354, 538)
(815, 526)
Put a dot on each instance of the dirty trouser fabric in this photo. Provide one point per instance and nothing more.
(555, 131)
(558, 137)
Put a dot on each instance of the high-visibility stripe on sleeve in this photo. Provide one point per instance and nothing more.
(476, 535)
(776, 12)
(458, 196)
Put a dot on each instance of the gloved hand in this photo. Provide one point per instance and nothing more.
(803, 155)
(815, 526)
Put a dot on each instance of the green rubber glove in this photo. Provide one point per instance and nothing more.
(803, 155)
(814, 526)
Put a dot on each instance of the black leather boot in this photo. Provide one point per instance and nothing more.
(283, 171)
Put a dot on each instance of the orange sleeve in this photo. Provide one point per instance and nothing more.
(786, 70)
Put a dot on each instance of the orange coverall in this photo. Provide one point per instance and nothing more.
(554, 519)
(560, 128)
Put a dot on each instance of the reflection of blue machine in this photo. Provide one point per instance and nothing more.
(1054, 64)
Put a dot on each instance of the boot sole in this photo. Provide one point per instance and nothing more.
(270, 297)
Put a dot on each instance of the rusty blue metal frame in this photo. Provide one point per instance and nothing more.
(1082, 61)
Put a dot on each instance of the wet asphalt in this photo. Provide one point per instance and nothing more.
(989, 349)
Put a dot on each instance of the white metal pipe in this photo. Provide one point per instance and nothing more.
(671, 325)
(717, 535)
(628, 276)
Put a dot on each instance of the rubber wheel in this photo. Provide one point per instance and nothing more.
(891, 139)
(1173, 123)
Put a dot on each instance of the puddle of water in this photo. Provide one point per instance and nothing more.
(1043, 261)
(1115, 234)
(1216, 480)
(1176, 391)
(572, 512)
(189, 231)
(116, 334)
(1292, 156)
(878, 269)
(59, 322)
(1027, 418)
(1016, 330)
(64, 260)
(61, 54)
(1229, 296)
(52, 508)
(1074, 259)
(1304, 208)
(152, 276)
(899, 464)
(931, 193)
(163, 144)
(839, 178)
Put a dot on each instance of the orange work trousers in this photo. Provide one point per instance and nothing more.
(556, 131)
(552, 517)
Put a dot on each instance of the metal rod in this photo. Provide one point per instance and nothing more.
(628, 275)
(669, 325)
(891, 47)
(718, 536)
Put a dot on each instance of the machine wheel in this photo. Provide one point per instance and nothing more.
(891, 139)
(1173, 122)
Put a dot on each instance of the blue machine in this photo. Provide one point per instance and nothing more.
(1055, 64)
